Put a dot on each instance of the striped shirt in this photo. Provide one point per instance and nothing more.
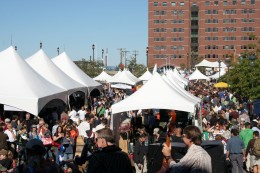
(196, 160)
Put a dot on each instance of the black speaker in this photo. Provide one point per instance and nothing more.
(214, 148)
(216, 151)
(155, 157)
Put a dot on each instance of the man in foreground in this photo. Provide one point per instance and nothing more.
(108, 158)
(196, 160)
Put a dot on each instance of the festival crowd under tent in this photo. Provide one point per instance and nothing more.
(103, 77)
(22, 87)
(156, 93)
(197, 75)
(73, 71)
(43, 65)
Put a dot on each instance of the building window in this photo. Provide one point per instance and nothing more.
(207, 3)
(181, 3)
(234, 2)
(243, 2)
(164, 4)
(252, 2)
(155, 4)
(173, 4)
(156, 13)
(225, 20)
(208, 56)
(225, 3)
(215, 12)
(233, 20)
(215, 3)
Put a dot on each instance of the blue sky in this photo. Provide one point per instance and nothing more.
(74, 26)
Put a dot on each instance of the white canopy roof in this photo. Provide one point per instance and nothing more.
(124, 77)
(156, 93)
(206, 63)
(22, 87)
(73, 71)
(216, 75)
(174, 84)
(180, 77)
(197, 75)
(41, 63)
(103, 77)
(146, 76)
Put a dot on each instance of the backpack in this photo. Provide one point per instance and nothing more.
(256, 148)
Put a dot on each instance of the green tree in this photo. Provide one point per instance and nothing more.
(136, 69)
(91, 68)
(244, 79)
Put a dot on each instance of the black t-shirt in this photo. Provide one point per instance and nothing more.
(7, 163)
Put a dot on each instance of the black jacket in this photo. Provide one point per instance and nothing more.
(140, 150)
(110, 160)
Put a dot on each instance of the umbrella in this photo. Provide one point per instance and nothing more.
(221, 85)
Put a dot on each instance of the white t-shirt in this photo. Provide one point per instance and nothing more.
(83, 127)
(82, 114)
(10, 135)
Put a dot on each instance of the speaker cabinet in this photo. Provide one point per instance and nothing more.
(214, 148)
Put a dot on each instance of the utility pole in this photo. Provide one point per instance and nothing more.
(135, 53)
(121, 54)
(106, 57)
(125, 52)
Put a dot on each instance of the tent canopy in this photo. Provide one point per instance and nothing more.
(206, 63)
(102, 77)
(22, 87)
(146, 76)
(125, 77)
(73, 71)
(197, 75)
(41, 63)
(156, 93)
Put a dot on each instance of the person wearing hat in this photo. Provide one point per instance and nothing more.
(35, 162)
(246, 135)
(5, 162)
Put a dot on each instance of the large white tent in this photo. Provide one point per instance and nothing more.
(197, 75)
(156, 93)
(204, 63)
(103, 77)
(146, 76)
(22, 87)
(73, 71)
(124, 77)
(217, 75)
(174, 84)
(43, 65)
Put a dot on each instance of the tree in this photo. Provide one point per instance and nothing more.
(136, 69)
(243, 78)
(91, 68)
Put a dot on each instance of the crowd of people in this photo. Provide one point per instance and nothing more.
(225, 117)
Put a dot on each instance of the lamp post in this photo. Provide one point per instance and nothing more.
(228, 61)
(93, 47)
(40, 45)
(219, 65)
(58, 50)
(147, 49)
(102, 57)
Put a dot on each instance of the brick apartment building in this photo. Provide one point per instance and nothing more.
(182, 32)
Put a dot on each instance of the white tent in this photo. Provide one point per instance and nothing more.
(22, 87)
(180, 89)
(180, 77)
(73, 71)
(146, 76)
(41, 63)
(156, 93)
(102, 77)
(197, 75)
(216, 75)
(125, 78)
(204, 63)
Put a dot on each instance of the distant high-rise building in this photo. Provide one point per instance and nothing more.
(181, 32)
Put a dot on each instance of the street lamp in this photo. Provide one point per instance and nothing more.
(219, 65)
(40, 45)
(102, 57)
(58, 50)
(147, 49)
(93, 47)
(228, 61)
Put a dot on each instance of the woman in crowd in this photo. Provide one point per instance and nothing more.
(57, 141)
(68, 143)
